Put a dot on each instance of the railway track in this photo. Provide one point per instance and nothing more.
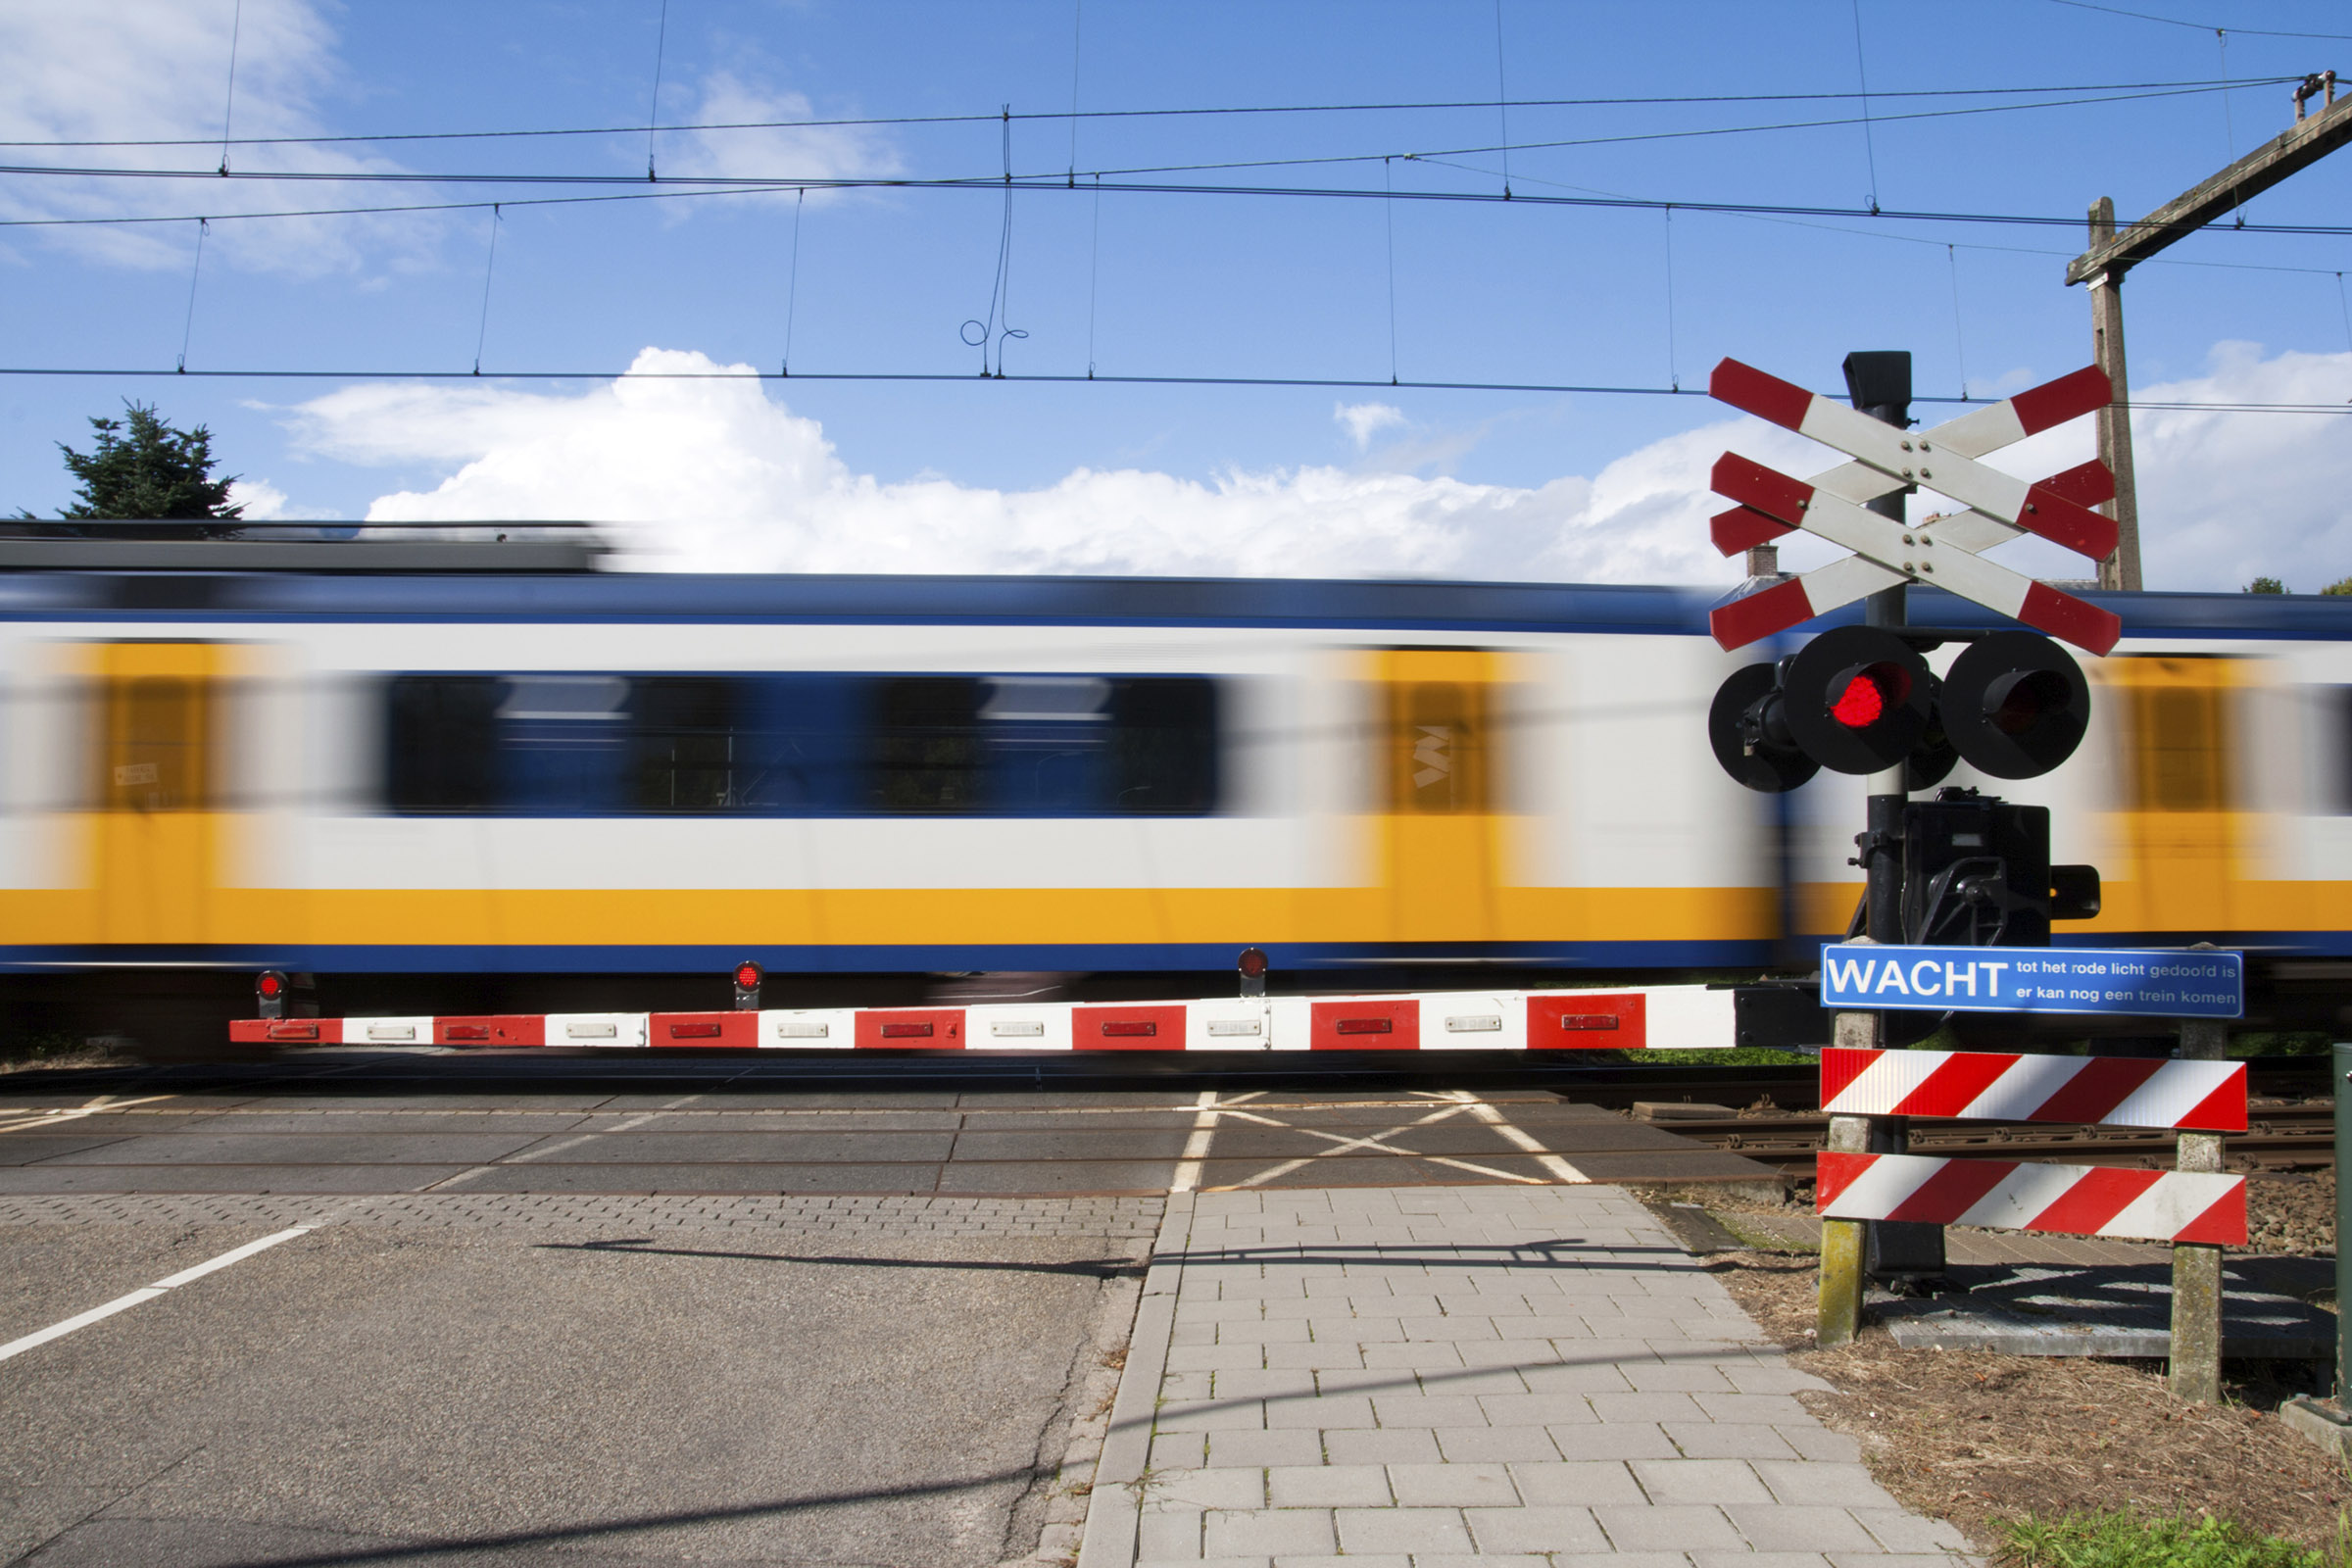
(2278, 1137)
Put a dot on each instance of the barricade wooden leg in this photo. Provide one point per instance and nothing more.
(2197, 1362)
(1844, 1243)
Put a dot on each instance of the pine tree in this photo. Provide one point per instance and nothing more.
(143, 469)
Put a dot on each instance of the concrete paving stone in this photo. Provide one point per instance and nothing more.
(1812, 1527)
(1544, 1326)
(1169, 1531)
(1427, 1411)
(1767, 1408)
(1328, 1486)
(1649, 1407)
(1828, 1485)
(1621, 1559)
(1534, 1409)
(1512, 1353)
(1288, 1307)
(1677, 1528)
(1212, 1415)
(1412, 1530)
(1541, 1528)
(1813, 1441)
(1529, 1443)
(1357, 1329)
(1275, 1532)
(1397, 1305)
(1898, 1529)
(1378, 1559)
(1613, 1440)
(1897, 1559)
(1411, 1446)
(1329, 1412)
(1769, 1379)
(1188, 1333)
(1584, 1483)
(1260, 1383)
(1281, 1331)
(1675, 1377)
(1252, 1290)
(1178, 1388)
(1422, 1357)
(1206, 1489)
(1314, 1357)
(1578, 1376)
(1709, 1440)
(1263, 1449)
(1476, 1559)
(1711, 1480)
(1345, 1285)
(1179, 1450)
(1758, 1559)
(1453, 1485)
(1215, 1357)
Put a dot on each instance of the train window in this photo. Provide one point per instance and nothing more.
(801, 745)
(153, 757)
(440, 738)
(924, 752)
(1437, 741)
(686, 749)
(1163, 745)
(2178, 761)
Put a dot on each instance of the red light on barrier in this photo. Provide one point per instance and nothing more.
(747, 975)
(271, 984)
(1253, 962)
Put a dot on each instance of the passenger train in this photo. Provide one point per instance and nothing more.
(588, 781)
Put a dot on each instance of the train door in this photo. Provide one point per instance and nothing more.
(1438, 777)
(155, 718)
(2180, 829)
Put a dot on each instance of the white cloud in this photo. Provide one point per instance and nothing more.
(261, 500)
(1365, 419)
(711, 474)
(770, 152)
(157, 70)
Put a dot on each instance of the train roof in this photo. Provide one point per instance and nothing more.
(1391, 606)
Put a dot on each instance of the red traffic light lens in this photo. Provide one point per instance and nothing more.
(1870, 693)
(271, 984)
(747, 974)
(2026, 700)
(1253, 962)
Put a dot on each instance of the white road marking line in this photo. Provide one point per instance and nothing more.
(1196, 1147)
(1519, 1138)
(101, 1105)
(148, 1293)
(1341, 1145)
(545, 1149)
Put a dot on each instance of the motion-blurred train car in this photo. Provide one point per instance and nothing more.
(584, 781)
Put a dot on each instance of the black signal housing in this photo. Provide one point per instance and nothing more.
(1858, 699)
(2015, 705)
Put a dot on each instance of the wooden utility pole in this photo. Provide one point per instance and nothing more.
(2111, 255)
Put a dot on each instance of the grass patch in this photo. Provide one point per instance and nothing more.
(1714, 1057)
(2119, 1540)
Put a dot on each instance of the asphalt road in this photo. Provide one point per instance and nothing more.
(625, 1312)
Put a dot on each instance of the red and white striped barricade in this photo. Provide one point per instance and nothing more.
(1636, 1018)
(1941, 552)
(2000, 1086)
(2157, 1205)
(2013, 1194)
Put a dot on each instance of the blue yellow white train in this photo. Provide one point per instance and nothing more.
(618, 774)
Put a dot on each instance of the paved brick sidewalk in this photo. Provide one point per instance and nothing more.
(1427, 1375)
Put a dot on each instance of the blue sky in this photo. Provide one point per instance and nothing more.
(1015, 476)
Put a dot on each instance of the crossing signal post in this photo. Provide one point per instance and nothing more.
(1963, 868)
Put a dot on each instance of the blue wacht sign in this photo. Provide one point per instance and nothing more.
(2153, 982)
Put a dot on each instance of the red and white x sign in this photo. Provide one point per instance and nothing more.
(1943, 551)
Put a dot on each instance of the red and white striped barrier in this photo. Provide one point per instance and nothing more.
(2158, 1206)
(1640, 1019)
(1994, 1085)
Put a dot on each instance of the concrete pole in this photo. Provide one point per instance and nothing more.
(2197, 1362)
(1844, 1242)
(2121, 569)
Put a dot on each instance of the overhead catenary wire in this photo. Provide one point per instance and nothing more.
(1869, 151)
(2201, 27)
(1668, 100)
(482, 333)
(653, 117)
(1582, 389)
(187, 329)
(228, 106)
(792, 286)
